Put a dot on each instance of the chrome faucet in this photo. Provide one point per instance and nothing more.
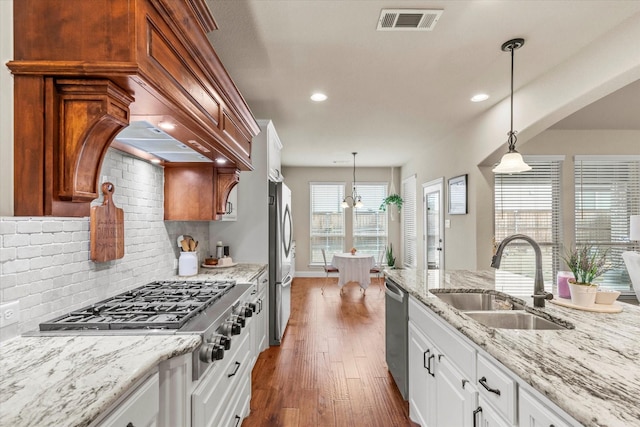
(539, 294)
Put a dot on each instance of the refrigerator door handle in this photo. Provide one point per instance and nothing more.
(287, 281)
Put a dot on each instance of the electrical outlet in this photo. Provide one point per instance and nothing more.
(447, 223)
(9, 313)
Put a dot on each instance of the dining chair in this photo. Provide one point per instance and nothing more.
(378, 268)
(328, 268)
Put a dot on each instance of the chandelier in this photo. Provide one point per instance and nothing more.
(512, 162)
(356, 200)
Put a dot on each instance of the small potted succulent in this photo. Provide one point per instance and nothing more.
(586, 263)
(391, 260)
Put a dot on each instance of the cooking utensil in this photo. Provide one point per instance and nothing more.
(192, 245)
(185, 245)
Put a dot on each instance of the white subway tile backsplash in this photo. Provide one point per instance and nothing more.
(38, 239)
(7, 226)
(51, 226)
(28, 252)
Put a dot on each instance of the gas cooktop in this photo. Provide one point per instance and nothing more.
(157, 305)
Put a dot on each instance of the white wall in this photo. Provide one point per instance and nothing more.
(601, 68)
(44, 261)
(298, 179)
(6, 109)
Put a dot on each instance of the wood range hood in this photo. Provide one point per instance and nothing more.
(83, 70)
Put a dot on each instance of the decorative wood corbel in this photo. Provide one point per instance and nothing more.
(226, 179)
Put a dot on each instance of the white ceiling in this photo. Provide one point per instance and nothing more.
(392, 92)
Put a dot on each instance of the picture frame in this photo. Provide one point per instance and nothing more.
(457, 199)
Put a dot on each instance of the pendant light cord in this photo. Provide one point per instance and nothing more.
(512, 135)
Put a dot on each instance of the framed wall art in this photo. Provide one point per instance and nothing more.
(458, 195)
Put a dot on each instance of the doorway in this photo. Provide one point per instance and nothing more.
(433, 224)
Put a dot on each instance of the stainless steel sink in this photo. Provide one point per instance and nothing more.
(512, 320)
(471, 301)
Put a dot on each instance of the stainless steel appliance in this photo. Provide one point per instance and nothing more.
(215, 310)
(280, 255)
(397, 334)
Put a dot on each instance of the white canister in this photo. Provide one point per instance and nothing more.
(188, 264)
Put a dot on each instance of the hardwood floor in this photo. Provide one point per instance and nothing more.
(330, 369)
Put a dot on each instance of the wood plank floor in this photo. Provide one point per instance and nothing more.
(330, 369)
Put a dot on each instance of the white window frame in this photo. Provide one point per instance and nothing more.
(372, 205)
(319, 262)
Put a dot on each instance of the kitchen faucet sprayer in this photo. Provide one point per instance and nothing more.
(539, 294)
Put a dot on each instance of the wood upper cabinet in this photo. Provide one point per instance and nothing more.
(83, 70)
(197, 191)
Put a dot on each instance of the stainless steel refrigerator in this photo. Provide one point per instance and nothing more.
(280, 257)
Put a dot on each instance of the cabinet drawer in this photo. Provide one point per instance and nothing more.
(461, 354)
(533, 413)
(497, 388)
(139, 409)
(211, 397)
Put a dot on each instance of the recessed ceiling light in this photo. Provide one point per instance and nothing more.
(155, 161)
(221, 161)
(479, 97)
(166, 125)
(318, 97)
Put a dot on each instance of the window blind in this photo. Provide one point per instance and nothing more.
(370, 227)
(327, 220)
(409, 230)
(607, 192)
(529, 203)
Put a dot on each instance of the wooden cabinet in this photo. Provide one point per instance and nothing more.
(140, 409)
(78, 81)
(197, 191)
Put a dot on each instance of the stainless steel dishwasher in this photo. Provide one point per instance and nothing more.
(397, 334)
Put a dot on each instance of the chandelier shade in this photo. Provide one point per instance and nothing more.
(512, 162)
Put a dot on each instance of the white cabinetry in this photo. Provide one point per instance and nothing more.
(274, 147)
(231, 213)
(454, 382)
(140, 409)
(533, 413)
(441, 382)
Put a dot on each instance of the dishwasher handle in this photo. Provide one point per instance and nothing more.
(393, 292)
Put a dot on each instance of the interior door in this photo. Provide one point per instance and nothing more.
(433, 224)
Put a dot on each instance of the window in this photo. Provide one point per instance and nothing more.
(370, 230)
(327, 220)
(607, 192)
(409, 230)
(529, 203)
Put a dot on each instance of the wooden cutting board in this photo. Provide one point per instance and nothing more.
(107, 228)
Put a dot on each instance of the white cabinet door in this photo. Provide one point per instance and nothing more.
(422, 383)
(489, 417)
(232, 206)
(141, 409)
(456, 397)
(274, 148)
(533, 413)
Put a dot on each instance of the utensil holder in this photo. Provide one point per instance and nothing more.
(188, 264)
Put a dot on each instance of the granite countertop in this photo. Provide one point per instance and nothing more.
(71, 380)
(592, 372)
(240, 272)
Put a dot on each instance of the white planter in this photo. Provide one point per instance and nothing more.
(583, 295)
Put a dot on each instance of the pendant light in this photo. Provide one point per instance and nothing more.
(512, 162)
(356, 200)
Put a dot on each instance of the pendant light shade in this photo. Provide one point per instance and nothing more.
(356, 200)
(512, 162)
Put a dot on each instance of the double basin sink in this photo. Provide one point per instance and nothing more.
(496, 311)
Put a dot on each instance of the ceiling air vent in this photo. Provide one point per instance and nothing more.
(408, 19)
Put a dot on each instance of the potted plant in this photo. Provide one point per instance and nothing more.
(586, 263)
(393, 199)
(391, 260)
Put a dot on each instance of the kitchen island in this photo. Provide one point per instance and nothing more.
(592, 372)
(73, 380)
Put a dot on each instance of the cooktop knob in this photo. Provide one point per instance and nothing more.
(217, 353)
(210, 352)
(223, 341)
(236, 328)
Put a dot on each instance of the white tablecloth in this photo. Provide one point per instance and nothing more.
(353, 268)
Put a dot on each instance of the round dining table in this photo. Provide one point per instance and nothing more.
(353, 268)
